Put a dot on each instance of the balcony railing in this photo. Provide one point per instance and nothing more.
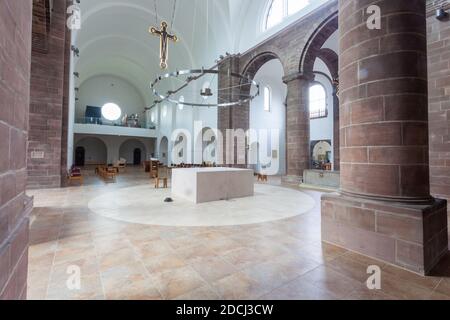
(118, 123)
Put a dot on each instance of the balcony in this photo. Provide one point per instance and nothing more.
(99, 126)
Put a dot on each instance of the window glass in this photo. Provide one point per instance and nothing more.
(267, 98)
(280, 9)
(111, 112)
(275, 14)
(317, 101)
(295, 6)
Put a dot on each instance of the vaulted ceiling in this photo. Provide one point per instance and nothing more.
(114, 37)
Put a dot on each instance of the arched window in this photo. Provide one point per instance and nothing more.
(317, 102)
(278, 10)
(267, 98)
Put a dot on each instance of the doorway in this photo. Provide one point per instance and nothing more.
(137, 156)
(80, 154)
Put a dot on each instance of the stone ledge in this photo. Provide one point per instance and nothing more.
(382, 230)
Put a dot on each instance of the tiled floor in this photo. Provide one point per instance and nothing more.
(282, 259)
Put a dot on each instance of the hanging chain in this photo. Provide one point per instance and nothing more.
(156, 14)
(173, 13)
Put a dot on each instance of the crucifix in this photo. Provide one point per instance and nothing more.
(164, 36)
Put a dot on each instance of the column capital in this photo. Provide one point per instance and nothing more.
(298, 76)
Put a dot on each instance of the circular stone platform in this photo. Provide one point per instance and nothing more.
(145, 205)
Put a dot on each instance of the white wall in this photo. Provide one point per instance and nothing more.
(113, 144)
(102, 89)
(271, 74)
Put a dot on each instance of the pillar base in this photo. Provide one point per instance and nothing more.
(413, 237)
(292, 180)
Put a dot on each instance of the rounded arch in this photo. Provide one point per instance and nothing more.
(164, 150)
(95, 150)
(252, 67)
(267, 121)
(315, 42)
(128, 149)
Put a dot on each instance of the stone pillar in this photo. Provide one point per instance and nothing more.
(15, 206)
(384, 209)
(45, 143)
(297, 127)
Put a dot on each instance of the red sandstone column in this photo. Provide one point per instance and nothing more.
(15, 206)
(384, 108)
(385, 209)
(297, 127)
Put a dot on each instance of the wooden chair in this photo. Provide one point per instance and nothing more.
(162, 175)
(154, 165)
(107, 173)
(262, 177)
(121, 164)
(74, 174)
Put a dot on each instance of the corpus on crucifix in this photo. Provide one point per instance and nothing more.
(164, 37)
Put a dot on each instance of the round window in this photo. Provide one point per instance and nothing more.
(111, 112)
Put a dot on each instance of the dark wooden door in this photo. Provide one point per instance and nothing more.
(80, 153)
(137, 157)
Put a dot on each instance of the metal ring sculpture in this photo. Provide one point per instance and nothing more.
(197, 74)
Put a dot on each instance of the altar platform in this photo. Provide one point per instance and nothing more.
(212, 184)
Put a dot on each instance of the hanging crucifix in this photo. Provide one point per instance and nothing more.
(164, 36)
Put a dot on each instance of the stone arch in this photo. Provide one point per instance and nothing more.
(315, 42)
(313, 50)
(331, 60)
(252, 67)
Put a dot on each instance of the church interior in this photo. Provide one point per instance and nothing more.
(224, 149)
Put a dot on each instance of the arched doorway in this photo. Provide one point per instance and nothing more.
(133, 151)
(137, 156)
(80, 154)
(90, 151)
(163, 150)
